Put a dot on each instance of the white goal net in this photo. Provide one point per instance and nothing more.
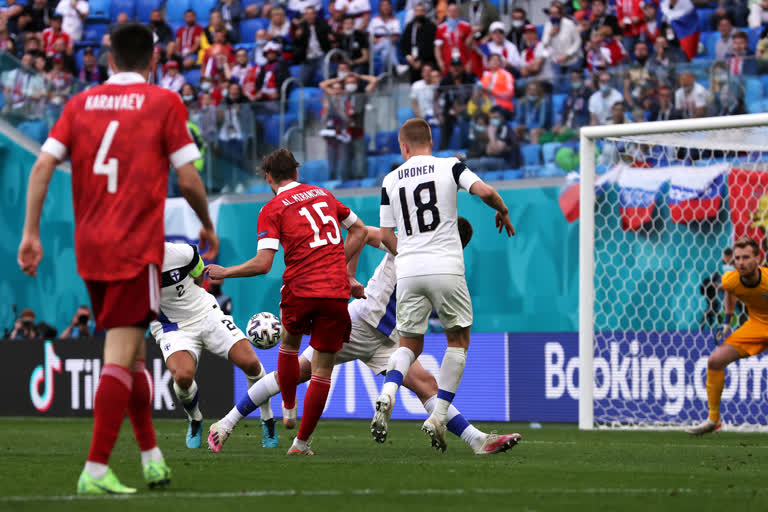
(660, 202)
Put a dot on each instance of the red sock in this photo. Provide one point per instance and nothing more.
(140, 407)
(112, 397)
(314, 403)
(288, 373)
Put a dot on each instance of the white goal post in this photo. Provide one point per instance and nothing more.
(652, 360)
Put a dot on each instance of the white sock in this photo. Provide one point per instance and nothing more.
(152, 454)
(96, 469)
(299, 444)
(470, 434)
(397, 368)
(188, 398)
(266, 407)
(448, 381)
(264, 389)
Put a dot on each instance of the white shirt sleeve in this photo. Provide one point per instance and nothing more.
(386, 213)
(55, 148)
(467, 179)
(351, 219)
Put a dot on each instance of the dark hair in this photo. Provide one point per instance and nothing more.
(725, 16)
(739, 35)
(728, 251)
(132, 47)
(465, 231)
(281, 165)
(190, 11)
(483, 116)
(744, 242)
(520, 10)
(416, 132)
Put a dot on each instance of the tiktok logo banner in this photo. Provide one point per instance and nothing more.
(42, 377)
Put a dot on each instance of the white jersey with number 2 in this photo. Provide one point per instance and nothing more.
(419, 200)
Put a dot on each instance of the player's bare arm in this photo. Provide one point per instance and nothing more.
(389, 239)
(194, 192)
(256, 266)
(30, 249)
(356, 239)
(491, 197)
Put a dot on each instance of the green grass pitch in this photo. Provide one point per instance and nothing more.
(554, 468)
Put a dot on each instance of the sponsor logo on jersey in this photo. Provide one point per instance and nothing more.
(261, 235)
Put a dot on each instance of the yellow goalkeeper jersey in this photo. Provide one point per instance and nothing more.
(755, 298)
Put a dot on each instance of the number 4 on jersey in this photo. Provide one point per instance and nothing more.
(101, 165)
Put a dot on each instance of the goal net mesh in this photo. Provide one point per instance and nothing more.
(666, 208)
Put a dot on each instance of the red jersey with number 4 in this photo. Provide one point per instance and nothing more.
(306, 221)
(122, 138)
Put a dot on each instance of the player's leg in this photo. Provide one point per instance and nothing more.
(451, 298)
(294, 316)
(421, 382)
(719, 359)
(181, 361)
(331, 328)
(244, 357)
(156, 472)
(413, 309)
(257, 394)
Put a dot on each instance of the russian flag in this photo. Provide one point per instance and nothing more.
(695, 193)
(638, 189)
(569, 197)
(685, 23)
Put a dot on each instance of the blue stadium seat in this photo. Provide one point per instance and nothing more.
(550, 171)
(710, 40)
(531, 154)
(368, 182)
(175, 26)
(435, 138)
(99, 9)
(272, 133)
(36, 130)
(558, 100)
(203, 10)
(259, 189)
(753, 89)
(313, 101)
(549, 150)
(704, 14)
(513, 174)
(247, 3)
(94, 32)
(249, 27)
(174, 10)
(126, 6)
(351, 184)
(444, 153)
(404, 114)
(386, 142)
(401, 15)
(193, 77)
(493, 176)
(375, 9)
(144, 9)
(315, 171)
(79, 58)
(753, 36)
(764, 80)
(295, 71)
(758, 107)
(331, 184)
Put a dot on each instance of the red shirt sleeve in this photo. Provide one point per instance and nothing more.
(268, 228)
(178, 142)
(60, 137)
(344, 215)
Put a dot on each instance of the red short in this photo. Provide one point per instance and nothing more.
(326, 319)
(133, 302)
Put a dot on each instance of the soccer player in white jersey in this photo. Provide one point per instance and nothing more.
(190, 320)
(373, 340)
(419, 199)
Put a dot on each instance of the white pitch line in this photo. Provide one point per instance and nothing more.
(360, 492)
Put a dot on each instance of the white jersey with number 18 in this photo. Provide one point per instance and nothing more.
(419, 199)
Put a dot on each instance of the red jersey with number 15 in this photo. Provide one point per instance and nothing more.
(305, 220)
(122, 138)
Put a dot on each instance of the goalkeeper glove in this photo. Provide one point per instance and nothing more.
(724, 331)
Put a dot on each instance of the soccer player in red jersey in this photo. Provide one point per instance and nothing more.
(122, 137)
(305, 220)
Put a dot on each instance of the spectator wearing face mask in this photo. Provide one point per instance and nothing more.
(207, 86)
(354, 44)
(575, 112)
(24, 328)
(535, 61)
(516, 28)
(188, 95)
(726, 91)
(188, 39)
(417, 43)
(534, 113)
(562, 41)
(495, 43)
(160, 28)
(496, 148)
(602, 100)
(172, 79)
(454, 92)
(452, 40)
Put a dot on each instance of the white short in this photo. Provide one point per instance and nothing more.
(418, 295)
(366, 343)
(215, 332)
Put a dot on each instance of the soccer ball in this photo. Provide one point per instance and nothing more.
(263, 330)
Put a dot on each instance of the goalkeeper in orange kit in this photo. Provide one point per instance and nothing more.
(749, 284)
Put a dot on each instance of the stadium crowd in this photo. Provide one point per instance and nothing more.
(504, 94)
